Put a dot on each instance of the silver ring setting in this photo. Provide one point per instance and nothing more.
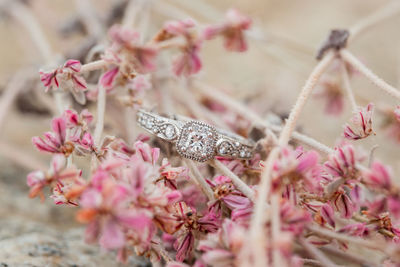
(194, 139)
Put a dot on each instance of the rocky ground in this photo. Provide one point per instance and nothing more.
(41, 234)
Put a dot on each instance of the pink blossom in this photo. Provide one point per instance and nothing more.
(221, 248)
(232, 30)
(128, 55)
(293, 219)
(140, 83)
(189, 61)
(393, 203)
(378, 176)
(342, 162)
(108, 78)
(361, 124)
(392, 123)
(333, 96)
(67, 77)
(342, 203)
(105, 206)
(55, 141)
(147, 153)
(56, 176)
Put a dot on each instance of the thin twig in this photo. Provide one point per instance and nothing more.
(101, 107)
(381, 14)
(316, 253)
(239, 184)
(22, 14)
(277, 260)
(353, 61)
(252, 116)
(347, 86)
(198, 177)
(89, 17)
(258, 218)
(21, 157)
(10, 93)
(351, 239)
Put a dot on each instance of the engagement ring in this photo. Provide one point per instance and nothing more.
(194, 139)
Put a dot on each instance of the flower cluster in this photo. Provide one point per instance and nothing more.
(137, 197)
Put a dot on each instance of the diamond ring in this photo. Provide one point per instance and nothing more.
(194, 139)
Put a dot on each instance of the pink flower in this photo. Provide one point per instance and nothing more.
(140, 83)
(106, 209)
(108, 78)
(147, 153)
(189, 61)
(392, 123)
(128, 55)
(333, 96)
(232, 30)
(293, 166)
(343, 203)
(67, 77)
(221, 248)
(170, 174)
(342, 163)
(190, 224)
(362, 124)
(75, 120)
(293, 219)
(378, 176)
(55, 141)
(56, 176)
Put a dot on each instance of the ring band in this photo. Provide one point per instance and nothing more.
(194, 139)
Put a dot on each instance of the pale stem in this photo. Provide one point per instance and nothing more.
(348, 255)
(87, 13)
(264, 187)
(244, 111)
(381, 14)
(353, 61)
(317, 254)
(20, 157)
(239, 184)
(101, 106)
(277, 260)
(347, 86)
(199, 179)
(95, 65)
(375, 245)
(303, 97)
(22, 14)
(131, 12)
(9, 94)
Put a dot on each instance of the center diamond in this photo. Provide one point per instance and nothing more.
(197, 141)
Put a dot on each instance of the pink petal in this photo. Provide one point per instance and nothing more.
(74, 65)
(328, 214)
(184, 246)
(58, 126)
(41, 145)
(112, 236)
(107, 79)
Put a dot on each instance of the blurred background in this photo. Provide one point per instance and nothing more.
(267, 78)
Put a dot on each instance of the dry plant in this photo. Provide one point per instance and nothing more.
(296, 202)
